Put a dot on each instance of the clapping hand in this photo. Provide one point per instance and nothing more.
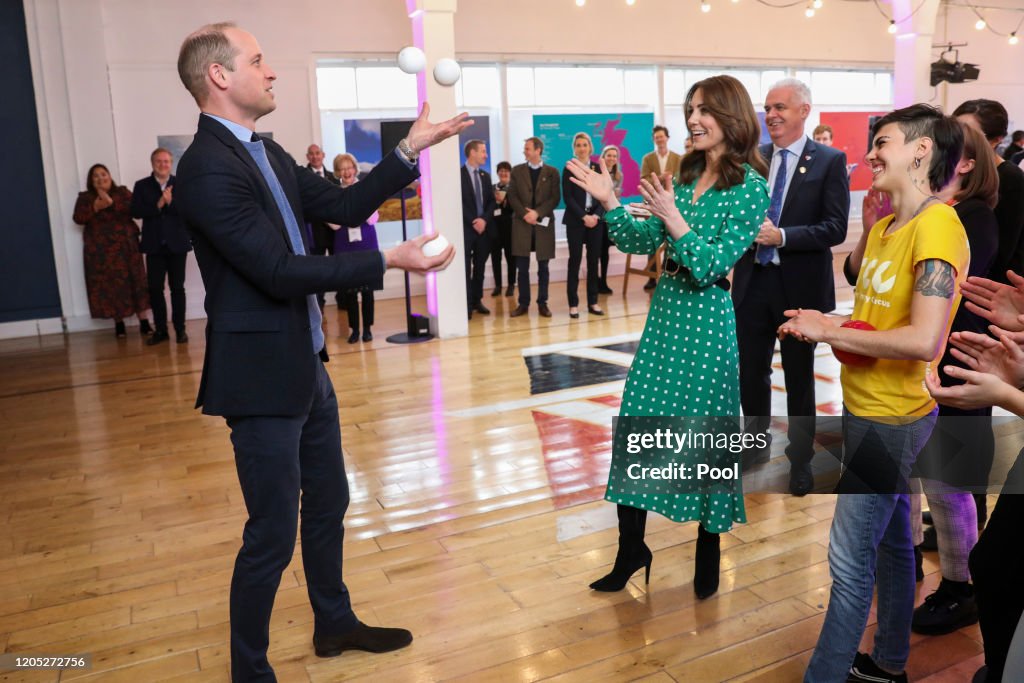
(996, 302)
(659, 197)
(980, 389)
(598, 184)
(1003, 358)
(805, 325)
(424, 134)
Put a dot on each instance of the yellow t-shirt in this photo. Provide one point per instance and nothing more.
(885, 287)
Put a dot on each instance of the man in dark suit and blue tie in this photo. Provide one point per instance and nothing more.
(789, 267)
(243, 199)
(478, 226)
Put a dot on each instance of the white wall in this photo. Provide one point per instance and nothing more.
(107, 85)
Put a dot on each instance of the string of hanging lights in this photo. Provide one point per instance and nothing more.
(812, 6)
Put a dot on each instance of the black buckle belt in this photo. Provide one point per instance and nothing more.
(672, 267)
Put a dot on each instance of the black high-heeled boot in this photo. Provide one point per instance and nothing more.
(633, 552)
(708, 557)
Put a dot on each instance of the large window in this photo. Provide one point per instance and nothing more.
(365, 90)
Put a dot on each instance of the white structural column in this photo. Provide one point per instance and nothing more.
(913, 50)
(433, 28)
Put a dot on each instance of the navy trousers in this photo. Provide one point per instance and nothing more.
(280, 461)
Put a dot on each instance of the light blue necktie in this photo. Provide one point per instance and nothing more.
(259, 155)
(765, 252)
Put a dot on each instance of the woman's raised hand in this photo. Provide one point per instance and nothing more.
(597, 184)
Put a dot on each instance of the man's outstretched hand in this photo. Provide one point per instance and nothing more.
(424, 134)
(409, 256)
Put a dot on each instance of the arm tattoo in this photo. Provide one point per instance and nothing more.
(936, 280)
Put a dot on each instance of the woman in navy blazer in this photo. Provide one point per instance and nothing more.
(582, 227)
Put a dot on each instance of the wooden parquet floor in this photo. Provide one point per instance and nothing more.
(476, 522)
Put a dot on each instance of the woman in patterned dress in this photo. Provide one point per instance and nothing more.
(114, 274)
(688, 347)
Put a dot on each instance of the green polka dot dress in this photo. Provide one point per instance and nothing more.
(687, 363)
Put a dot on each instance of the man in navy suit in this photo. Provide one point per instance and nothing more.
(165, 244)
(789, 267)
(478, 226)
(321, 233)
(243, 199)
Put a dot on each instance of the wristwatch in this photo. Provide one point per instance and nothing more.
(406, 151)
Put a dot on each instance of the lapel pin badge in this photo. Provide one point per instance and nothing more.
(803, 169)
(807, 157)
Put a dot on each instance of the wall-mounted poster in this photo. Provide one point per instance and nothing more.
(850, 133)
(177, 144)
(362, 140)
(631, 133)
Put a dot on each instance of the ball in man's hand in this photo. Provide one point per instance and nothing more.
(435, 246)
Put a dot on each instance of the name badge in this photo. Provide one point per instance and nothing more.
(355, 234)
(543, 222)
(497, 212)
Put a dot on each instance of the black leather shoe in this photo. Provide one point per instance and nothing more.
(594, 310)
(604, 289)
(650, 284)
(367, 335)
(574, 315)
(496, 291)
(144, 328)
(801, 479)
(158, 337)
(362, 637)
(544, 310)
(481, 309)
(931, 540)
(510, 291)
(520, 310)
(181, 336)
(354, 337)
(119, 330)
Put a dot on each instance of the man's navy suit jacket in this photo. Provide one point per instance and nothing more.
(814, 216)
(259, 357)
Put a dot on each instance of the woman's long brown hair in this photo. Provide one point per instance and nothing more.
(727, 101)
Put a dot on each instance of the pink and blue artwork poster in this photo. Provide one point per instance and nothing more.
(631, 133)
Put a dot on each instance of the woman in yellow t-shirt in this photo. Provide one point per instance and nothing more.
(908, 286)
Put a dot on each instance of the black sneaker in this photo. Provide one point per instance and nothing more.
(944, 611)
(866, 671)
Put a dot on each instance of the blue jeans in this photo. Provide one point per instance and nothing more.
(870, 542)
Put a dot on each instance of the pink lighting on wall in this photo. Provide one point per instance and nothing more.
(426, 196)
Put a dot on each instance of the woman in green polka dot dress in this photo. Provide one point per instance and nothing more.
(687, 363)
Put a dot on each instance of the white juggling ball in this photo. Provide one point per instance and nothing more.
(435, 246)
(411, 60)
(447, 71)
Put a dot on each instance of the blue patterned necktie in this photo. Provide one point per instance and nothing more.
(765, 252)
(476, 192)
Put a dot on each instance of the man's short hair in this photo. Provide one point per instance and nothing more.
(536, 142)
(1017, 136)
(471, 145)
(160, 150)
(821, 130)
(205, 46)
(660, 129)
(803, 93)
